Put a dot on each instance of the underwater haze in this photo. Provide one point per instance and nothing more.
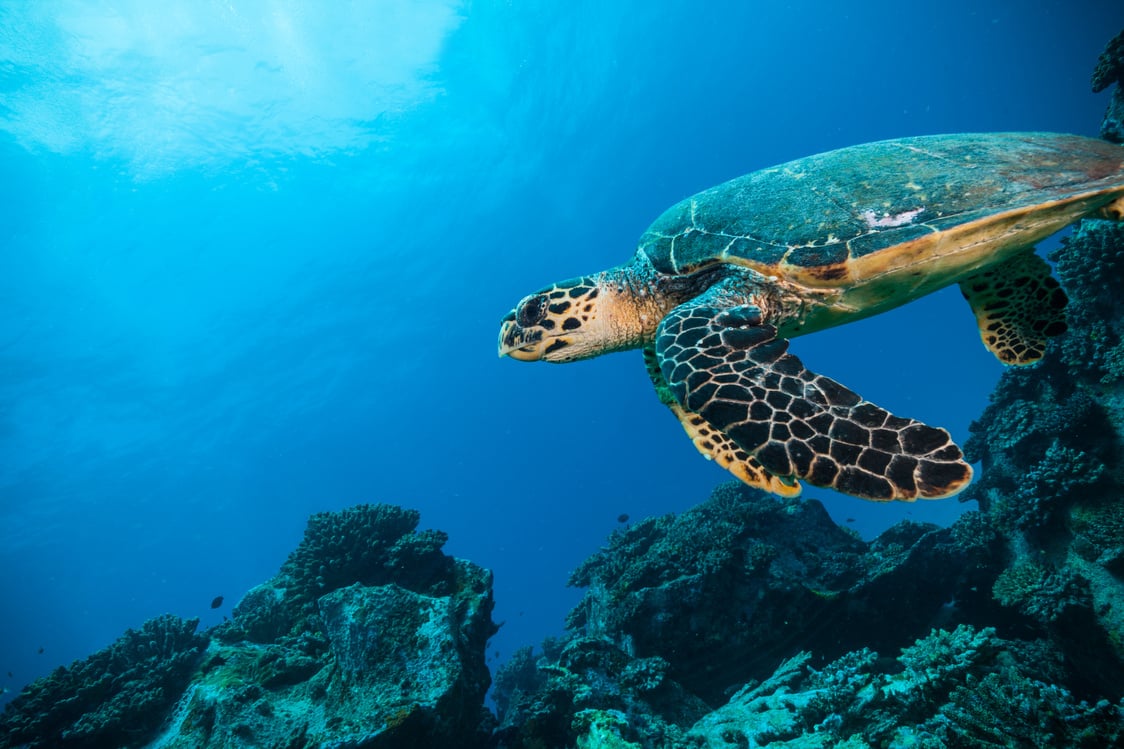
(254, 256)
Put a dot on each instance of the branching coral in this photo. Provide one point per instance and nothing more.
(943, 658)
(1040, 593)
(845, 686)
(116, 697)
(519, 674)
(368, 544)
(1100, 532)
(1052, 485)
(1008, 709)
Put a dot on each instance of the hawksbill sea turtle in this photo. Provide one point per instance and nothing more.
(723, 279)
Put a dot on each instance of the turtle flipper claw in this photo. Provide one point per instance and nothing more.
(729, 367)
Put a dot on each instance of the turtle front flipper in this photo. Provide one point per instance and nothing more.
(713, 444)
(726, 365)
(1018, 305)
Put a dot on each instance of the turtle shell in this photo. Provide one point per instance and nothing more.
(817, 219)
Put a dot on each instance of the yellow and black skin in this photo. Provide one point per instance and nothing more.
(723, 279)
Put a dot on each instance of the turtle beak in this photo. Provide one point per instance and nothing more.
(519, 343)
(531, 343)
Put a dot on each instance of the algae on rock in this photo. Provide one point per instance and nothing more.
(369, 636)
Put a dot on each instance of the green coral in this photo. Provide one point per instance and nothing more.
(958, 688)
(1007, 709)
(592, 693)
(519, 675)
(602, 729)
(369, 544)
(1048, 432)
(934, 664)
(1030, 474)
(1090, 264)
(115, 697)
(1053, 484)
(772, 712)
(843, 689)
(1100, 532)
(1110, 65)
(856, 698)
(1109, 70)
(1041, 593)
(707, 539)
(703, 583)
(397, 659)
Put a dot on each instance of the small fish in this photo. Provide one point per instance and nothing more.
(9, 674)
(850, 520)
(622, 518)
(40, 650)
(216, 602)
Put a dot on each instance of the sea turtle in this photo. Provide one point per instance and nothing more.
(722, 279)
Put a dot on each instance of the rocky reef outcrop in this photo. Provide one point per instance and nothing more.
(115, 697)
(753, 620)
(723, 591)
(1110, 70)
(370, 636)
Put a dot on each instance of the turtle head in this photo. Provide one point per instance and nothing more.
(582, 317)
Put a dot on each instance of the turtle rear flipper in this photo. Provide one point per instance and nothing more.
(1018, 305)
(726, 365)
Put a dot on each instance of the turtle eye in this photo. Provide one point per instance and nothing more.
(531, 311)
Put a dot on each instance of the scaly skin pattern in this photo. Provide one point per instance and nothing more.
(1019, 306)
(727, 365)
(713, 444)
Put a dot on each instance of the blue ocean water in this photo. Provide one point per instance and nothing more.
(253, 257)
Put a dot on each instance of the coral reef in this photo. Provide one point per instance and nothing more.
(368, 544)
(681, 612)
(111, 698)
(923, 698)
(1110, 70)
(1006, 708)
(1090, 260)
(715, 590)
(368, 636)
(952, 688)
(1052, 484)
